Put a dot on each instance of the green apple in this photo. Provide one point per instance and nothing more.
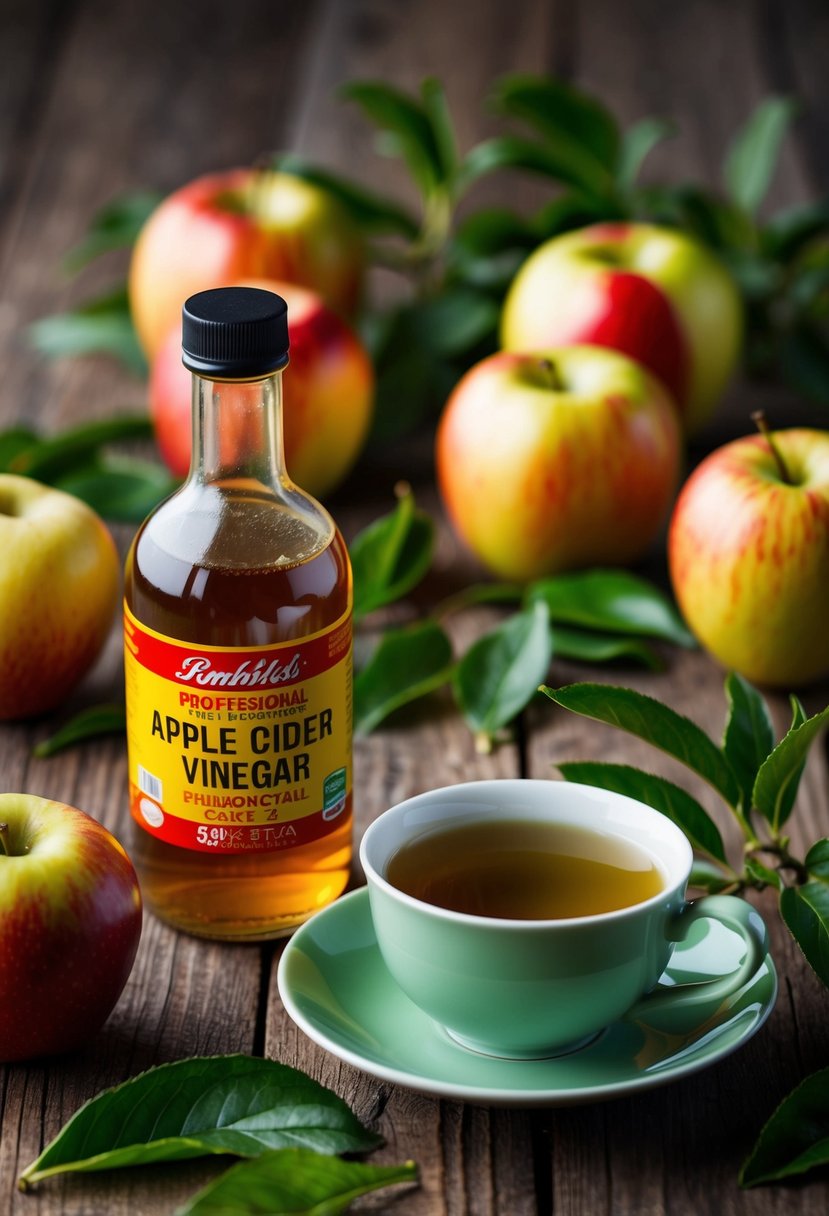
(59, 578)
(70, 921)
(655, 294)
(557, 459)
(748, 548)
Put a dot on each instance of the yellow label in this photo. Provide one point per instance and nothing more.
(243, 749)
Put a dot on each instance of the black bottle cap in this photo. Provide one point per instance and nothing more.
(234, 333)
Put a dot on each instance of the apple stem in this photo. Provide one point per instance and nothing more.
(4, 840)
(551, 374)
(761, 422)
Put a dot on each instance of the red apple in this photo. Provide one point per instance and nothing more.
(748, 548)
(239, 224)
(59, 579)
(652, 293)
(70, 920)
(328, 394)
(559, 459)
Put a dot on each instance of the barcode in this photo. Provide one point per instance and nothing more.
(148, 784)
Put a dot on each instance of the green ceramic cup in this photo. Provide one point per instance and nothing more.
(535, 988)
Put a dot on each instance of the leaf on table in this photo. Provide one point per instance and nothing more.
(752, 157)
(805, 911)
(637, 144)
(73, 448)
(391, 556)
(654, 722)
(612, 600)
(115, 226)
(796, 1137)
(102, 326)
(662, 795)
(501, 672)
(817, 860)
(293, 1182)
(373, 213)
(480, 593)
(602, 648)
(88, 724)
(120, 488)
(559, 112)
(407, 664)
(749, 734)
(779, 775)
(191, 1108)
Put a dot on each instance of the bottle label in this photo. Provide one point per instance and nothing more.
(243, 749)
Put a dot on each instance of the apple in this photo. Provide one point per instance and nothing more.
(748, 549)
(70, 920)
(557, 459)
(59, 580)
(328, 394)
(241, 223)
(652, 293)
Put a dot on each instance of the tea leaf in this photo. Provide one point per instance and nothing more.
(391, 556)
(654, 791)
(602, 648)
(779, 775)
(560, 112)
(60, 454)
(407, 664)
(120, 488)
(612, 600)
(88, 724)
(655, 723)
(101, 326)
(749, 734)
(817, 860)
(217, 1104)
(752, 157)
(796, 1137)
(114, 227)
(502, 670)
(805, 911)
(637, 144)
(293, 1182)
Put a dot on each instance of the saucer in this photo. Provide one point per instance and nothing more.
(335, 986)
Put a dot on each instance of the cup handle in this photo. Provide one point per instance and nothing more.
(735, 914)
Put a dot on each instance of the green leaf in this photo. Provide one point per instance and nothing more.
(654, 791)
(407, 664)
(611, 600)
(562, 160)
(409, 129)
(88, 724)
(391, 556)
(804, 358)
(192, 1108)
(637, 144)
(120, 488)
(817, 860)
(115, 226)
(602, 648)
(655, 723)
(763, 874)
(293, 1182)
(788, 232)
(752, 157)
(502, 670)
(456, 320)
(101, 326)
(805, 911)
(72, 449)
(436, 109)
(480, 593)
(560, 112)
(708, 876)
(749, 734)
(796, 1137)
(373, 213)
(776, 786)
(15, 442)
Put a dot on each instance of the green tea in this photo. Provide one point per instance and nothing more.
(525, 870)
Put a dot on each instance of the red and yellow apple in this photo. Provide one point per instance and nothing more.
(328, 394)
(749, 556)
(70, 921)
(59, 580)
(557, 459)
(239, 224)
(652, 293)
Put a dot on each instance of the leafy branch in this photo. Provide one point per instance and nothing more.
(757, 778)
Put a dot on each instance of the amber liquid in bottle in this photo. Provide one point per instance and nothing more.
(239, 557)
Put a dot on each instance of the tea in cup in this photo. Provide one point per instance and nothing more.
(525, 916)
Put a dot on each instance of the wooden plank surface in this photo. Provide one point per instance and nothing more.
(96, 98)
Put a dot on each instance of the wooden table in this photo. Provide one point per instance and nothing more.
(98, 97)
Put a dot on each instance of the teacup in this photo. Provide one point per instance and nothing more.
(531, 988)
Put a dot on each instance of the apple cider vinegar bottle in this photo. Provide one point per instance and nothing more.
(237, 623)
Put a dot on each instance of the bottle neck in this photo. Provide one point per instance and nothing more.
(237, 431)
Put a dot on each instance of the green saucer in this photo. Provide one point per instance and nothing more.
(336, 988)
